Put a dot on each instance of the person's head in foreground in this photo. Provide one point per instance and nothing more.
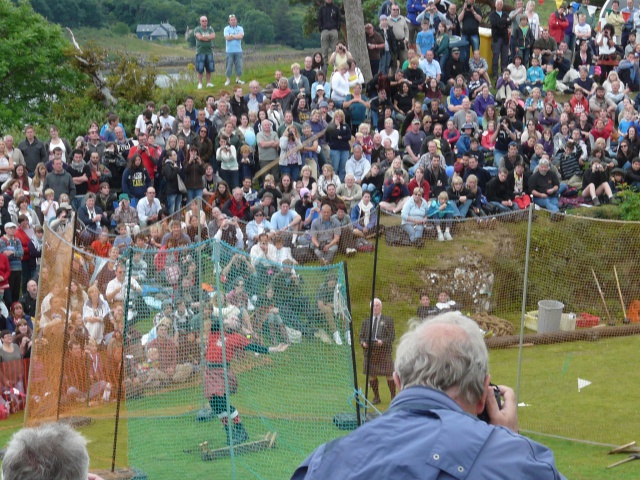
(50, 451)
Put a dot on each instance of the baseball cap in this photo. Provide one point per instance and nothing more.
(398, 171)
(320, 87)
(415, 121)
(323, 104)
(383, 17)
(303, 192)
(467, 125)
(123, 196)
(455, 50)
(10, 225)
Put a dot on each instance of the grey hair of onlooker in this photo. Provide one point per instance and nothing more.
(456, 363)
(50, 451)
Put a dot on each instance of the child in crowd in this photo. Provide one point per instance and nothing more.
(425, 39)
(49, 206)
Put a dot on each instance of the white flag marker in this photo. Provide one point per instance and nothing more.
(583, 383)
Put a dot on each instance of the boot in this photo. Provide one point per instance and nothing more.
(239, 433)
(376, 393)
(392, 388)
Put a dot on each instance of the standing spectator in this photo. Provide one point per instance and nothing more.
(29, 299)
(400, 27)
(204, 51)
(390, 45)
(193, 171)
(59, 180)
(14, 154)
(33, 150)
(170, 172)
(233, 34)
(375, 47)
(499, 38)
(329, 26)
(470, 19)
(149, 155)
(381, 333)
(12, 248)
(558, 23)
(414, 8)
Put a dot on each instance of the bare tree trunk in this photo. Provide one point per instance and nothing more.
(94, 70)
(354, 19)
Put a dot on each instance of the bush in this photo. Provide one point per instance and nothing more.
(630, 204)
(121, 29)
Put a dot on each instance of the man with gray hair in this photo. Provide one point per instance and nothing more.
(431, 429)
(14, 154)
(53, 450)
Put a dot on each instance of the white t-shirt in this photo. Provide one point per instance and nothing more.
(61, 145)
(141, 126)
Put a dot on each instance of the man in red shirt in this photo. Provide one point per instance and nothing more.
(149, 155)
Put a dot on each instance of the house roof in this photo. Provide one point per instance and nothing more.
(153, 29)
(159, 32)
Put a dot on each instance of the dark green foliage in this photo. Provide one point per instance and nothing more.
(33, 67)
(630, 204)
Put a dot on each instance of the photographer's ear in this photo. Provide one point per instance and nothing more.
(481, 403)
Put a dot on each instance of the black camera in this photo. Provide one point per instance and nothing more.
(484, 416)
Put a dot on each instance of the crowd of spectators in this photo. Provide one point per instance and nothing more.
(430, 138)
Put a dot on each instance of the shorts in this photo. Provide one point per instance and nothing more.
(205, 61)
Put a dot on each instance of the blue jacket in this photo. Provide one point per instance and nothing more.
(415, 8)
(427, 435)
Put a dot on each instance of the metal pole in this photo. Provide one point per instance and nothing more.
(524, 300)
(203, 334)
(128, 252)
(216, 246)
(373, 296)
(353, 343)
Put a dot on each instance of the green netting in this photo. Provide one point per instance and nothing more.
(294, 394)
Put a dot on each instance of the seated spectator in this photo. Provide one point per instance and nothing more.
(395, 193)
(544, 187)
(350, 192)
(499, 193)
(441, 209)
(595, 184)
(325, 235)
(230, 233)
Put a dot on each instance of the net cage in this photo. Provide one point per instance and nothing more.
(163, 398)
(556, 295)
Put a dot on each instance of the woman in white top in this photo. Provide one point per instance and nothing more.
(533, 18)
(340, 85)
(328, 177)
(518, 71)
(56, 141)
(93, 313)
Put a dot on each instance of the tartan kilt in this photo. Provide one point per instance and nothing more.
(214, 382)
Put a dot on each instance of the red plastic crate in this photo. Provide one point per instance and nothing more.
(586, 320)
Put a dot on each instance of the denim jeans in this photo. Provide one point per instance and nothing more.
(292, 170)
(497, 155)
(339, 162)
(549, 203)
(193, 193)
(501, 208)
(414, 231)
(77, 202)
(232, 177)
(474, 43)
(234, 59)
(174, 202)
(385, 62)
(464, 208)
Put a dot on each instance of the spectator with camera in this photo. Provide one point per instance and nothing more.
(435, 416)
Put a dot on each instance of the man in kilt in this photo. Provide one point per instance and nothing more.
(381, 362)
(214, 386)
